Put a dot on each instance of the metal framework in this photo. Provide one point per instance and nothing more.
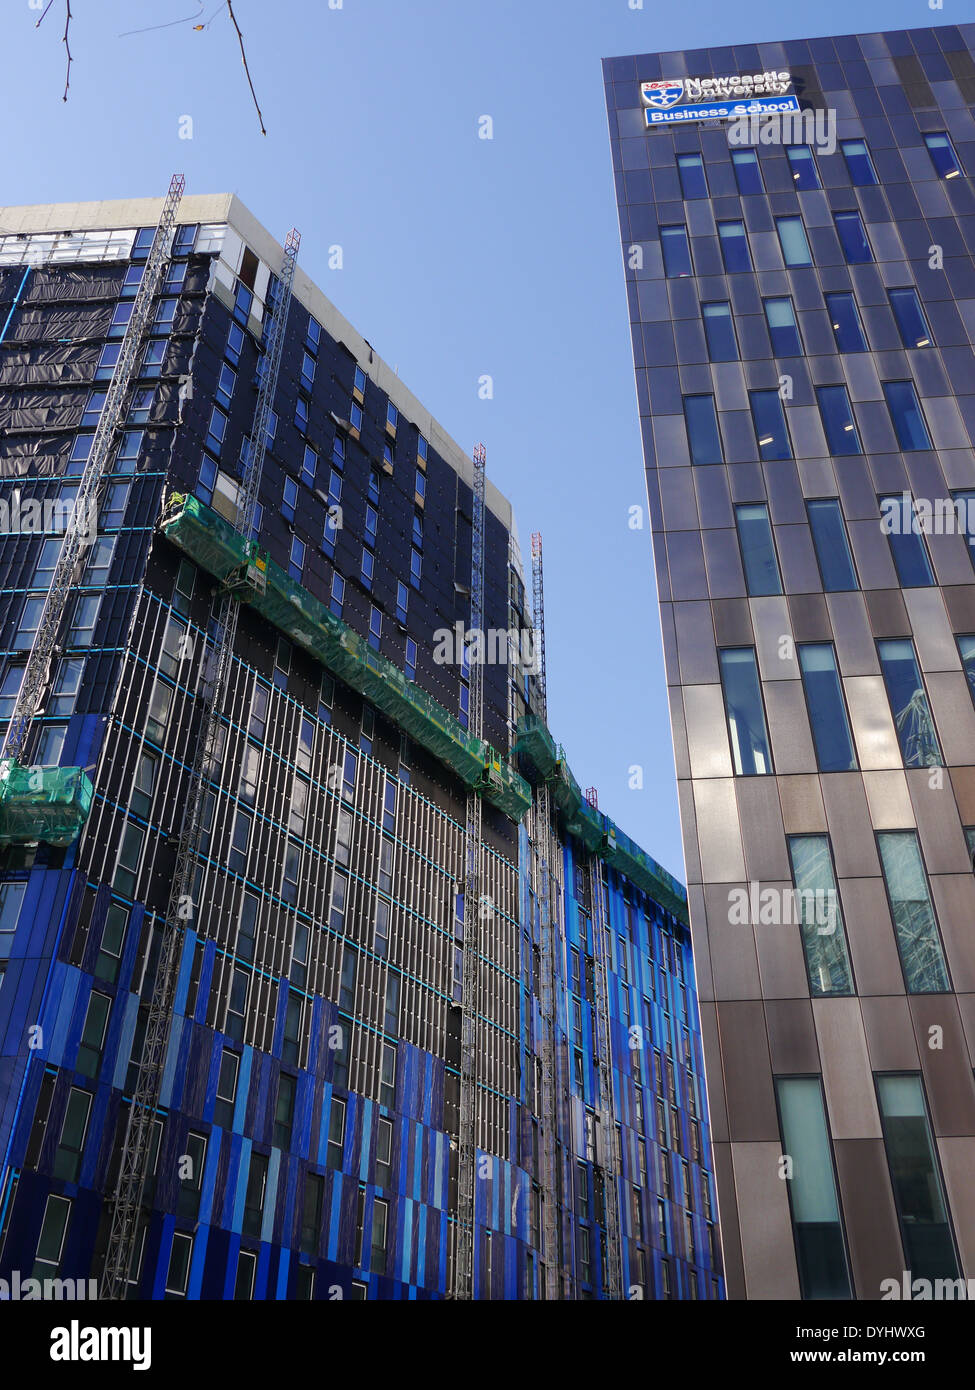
(606, 1155)
(470, 972)
(542, 853)
(77, 533)
(181, 908)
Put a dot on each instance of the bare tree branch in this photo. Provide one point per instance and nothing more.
(67, 47)
(243, 55)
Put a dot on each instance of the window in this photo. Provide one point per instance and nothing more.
(113, 937)
(827, 710)
(113, 508)
(748, 171)
(966, 648)
(307, 370)
(416, 568)
(312, 1211)
(254, 1194)
(93, 1033)
(192, 1162)
(817, 1226)
(223, 1110)
(929, 1251)
(734, 246)
(371, 524)
(82, 630)
(301, 415)
(93, 409)
(703, 438)
(165, 316)
(380, 1220)
(107, 360)
(336, 1134)
(127, 869)
(355, 418)
(845, 319)
(421, 448)
(387, 1079)
(296, 558)
(240, 840)
(693, 180)
(859, 165)
(64, 692)
(771, 431)
(420, 488)
(853, 237)
(375, 627)
(910, 318)
(160, 707)
(585, 1265)
(225, 384)
(802, 164)
(359, 382)
(140, 799)
(744, 711)
(915, 926)
(676, 252)
(942, 154)
(909, 703)
(842, 436)
(367, 567)
(67, 1159)
(757, 549)
(792, 240)
(338, 594)
(289, 499)
(237, 1004)
(719, 329)
(140, 408)
(153, 358)
(384, 1152)
(50, 1244)
(782, 327)
(30, 621)
(284, 1111)
(831, 544)
(381, 928)
(290, 875)
(246, 1271)
(907, 547)
(120, 320)
(392, 417)
(410, 664)
(402, 601)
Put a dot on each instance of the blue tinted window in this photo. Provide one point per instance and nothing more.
(900, 523)
(782, 327)
(734, 246)
(770, 427)
(802, 163)
(909, 703)
(744, 712)
(702, 429)
(853, 238)
(748, 171)
(858, 162)
(905, 411)
(693, 180)
(910, 318)
(942, 154)
(838, 422)
(676, 251)
(719, 328)
(832, 547)
(964, 501)
(757, 549)
(827, 710)
(792, 239)
(966, 648)
(817, 1226)
(845, 319)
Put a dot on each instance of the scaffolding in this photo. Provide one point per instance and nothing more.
(128, 1196)
(471, 945)
(18, 797)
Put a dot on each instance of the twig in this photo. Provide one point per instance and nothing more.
(243, 55)
(170, 25)
(67, 47)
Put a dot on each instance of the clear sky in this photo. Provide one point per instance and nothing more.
(462, 257)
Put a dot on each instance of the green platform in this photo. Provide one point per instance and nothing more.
(212, 543)
(48, 804)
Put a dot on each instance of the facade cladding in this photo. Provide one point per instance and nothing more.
(310, 1103)
(802, 328)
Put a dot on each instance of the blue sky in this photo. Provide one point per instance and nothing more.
(461, 256)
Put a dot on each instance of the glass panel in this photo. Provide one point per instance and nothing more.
(832, 547)
(820, 915)
(915, 927)
(748, 171)
(916, 1179)
(853, 238)
(909, 703)
(845, 319)
(792, 239)
(744, 711)
(816, 1224)
(827, 710)
(942, 154)
(910, 318)
(693, 180)
(676, 251)
(758, 549)
(802, 163)
(966, 647)
(782, 327)
(702, 430)
(719, 328)
(858, 162)
(770, 428)
(903, 530)
(734, 246)
(838, 421)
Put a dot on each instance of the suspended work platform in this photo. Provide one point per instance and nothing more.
(240, 565)
(48, 804)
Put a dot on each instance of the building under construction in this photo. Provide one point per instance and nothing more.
(319, 974)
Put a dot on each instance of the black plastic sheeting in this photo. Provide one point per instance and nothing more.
(45, 324)
(48, 363)
(61, 283)
(41, 410)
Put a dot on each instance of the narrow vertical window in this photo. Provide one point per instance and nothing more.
(719, 329)
(734, 246)
(744, 711)
(911, 323)
(929, 1250)
(906, 414)
(831, 544)
(915, 926)
(802, 164)
(757, 549)
(859, 165)
(748, 171)
(909, 703)
(827, 709)
(844, 317)
(853, 237)
(676, 252)
(908, 551)
(771, 430)
(817, 1226)
(820, 916)
(942, 154)
(792, 241)
(783, 330)
(703, 438)
(693, 180)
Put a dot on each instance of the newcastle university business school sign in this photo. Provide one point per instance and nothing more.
(704, 98)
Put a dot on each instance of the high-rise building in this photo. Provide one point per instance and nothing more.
(314, 1124)
(802, 301)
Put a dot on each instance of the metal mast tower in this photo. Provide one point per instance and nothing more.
(132, 1174)
(542, 850)
(606, 1155)
(77, 532)
(470, 976)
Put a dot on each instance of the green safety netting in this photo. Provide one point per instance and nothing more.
(213, 544)
(47, 804)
